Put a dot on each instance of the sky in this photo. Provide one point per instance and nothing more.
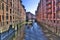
(30, 5)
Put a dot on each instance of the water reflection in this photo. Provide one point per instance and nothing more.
(13, 36)
(9, 35)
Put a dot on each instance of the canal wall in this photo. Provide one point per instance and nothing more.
(51, 28)
(16, 31)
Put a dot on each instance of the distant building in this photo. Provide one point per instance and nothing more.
(30, 16)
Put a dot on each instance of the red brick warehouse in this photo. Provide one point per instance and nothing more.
(48, 12)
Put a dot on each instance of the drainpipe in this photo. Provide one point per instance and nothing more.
(56, 16)
(52, 14)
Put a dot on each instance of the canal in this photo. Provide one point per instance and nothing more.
(34, 32)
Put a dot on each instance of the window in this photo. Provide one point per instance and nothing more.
(6, 8)
(13, 8)
(13, 16)
(7, 22)
(2, 6)
(10, 11)
(54, 15)
(2, 17)
(54, 21)
(6, 16)
(11, 4)
(7, 1)
(10, 18)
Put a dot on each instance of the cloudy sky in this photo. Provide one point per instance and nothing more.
(30, 5)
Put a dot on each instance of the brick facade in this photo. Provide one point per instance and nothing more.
(48, 12)
(11, 13)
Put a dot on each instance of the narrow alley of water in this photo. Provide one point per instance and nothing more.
(34, 32)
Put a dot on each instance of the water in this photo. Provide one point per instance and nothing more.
(34, 32)
(9, 35)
